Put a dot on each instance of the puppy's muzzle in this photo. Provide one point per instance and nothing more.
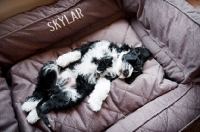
(126, 73)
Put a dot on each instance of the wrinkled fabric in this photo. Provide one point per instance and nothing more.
(168, 113)
(8, 122)
(184, 109)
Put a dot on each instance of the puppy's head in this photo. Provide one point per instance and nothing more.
(136, 58)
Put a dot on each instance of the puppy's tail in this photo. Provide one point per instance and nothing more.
(42, 114)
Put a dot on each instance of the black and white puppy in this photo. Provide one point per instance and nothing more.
(88, 69)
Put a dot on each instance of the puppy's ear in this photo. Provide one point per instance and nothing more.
(130, 57)
(133, 76)
(146, 53)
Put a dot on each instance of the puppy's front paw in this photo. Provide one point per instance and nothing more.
(61, 61)
(94, 105)
(68, 58)
(32, 117)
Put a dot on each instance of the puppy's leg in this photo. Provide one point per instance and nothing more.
(43, 107)
(68, 58)
(32, 116)
(46, 78)
(41, 110)
(99, 94)
(59, 101)
(30, 103)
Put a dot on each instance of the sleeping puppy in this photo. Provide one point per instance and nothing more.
(90, 68)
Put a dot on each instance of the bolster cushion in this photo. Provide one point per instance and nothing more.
(170, 29)
(29, 32)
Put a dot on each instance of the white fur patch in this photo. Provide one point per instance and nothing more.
(28, 106)
(68, 58)
(32, 116)
(99, 94)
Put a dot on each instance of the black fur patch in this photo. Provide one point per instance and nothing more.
(103, 63)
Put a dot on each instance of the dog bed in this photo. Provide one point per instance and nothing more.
(164, 98)
(122, 100)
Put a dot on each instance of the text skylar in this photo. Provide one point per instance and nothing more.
(64, 20)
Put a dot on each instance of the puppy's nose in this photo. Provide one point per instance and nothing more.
(126, 73)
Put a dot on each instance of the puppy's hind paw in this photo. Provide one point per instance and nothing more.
(28, 106)
(49, 67)
(32, 117)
